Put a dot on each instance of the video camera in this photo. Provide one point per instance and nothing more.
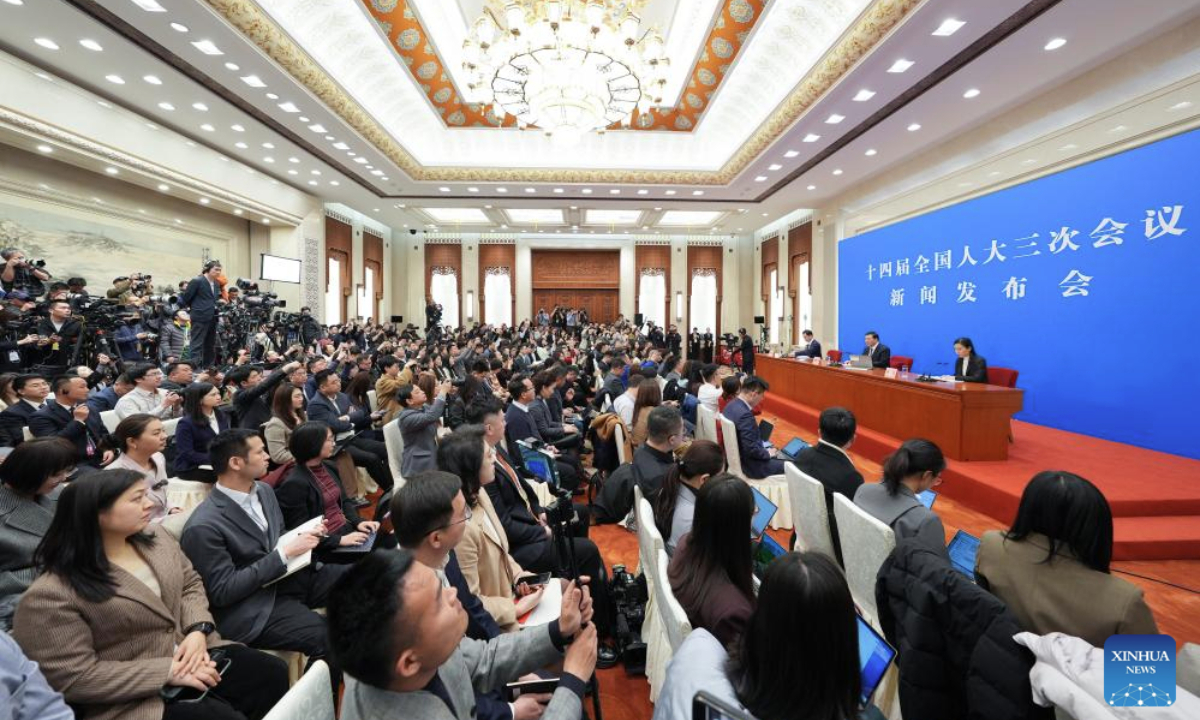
(629, 596)
(252, 297)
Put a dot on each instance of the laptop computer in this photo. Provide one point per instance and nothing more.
(859, 362)
(874, 657)
(963, 549)
(765, 428)
(540, 463)
(764, 510)
(366, 547)
(766, 550)
(793, 449)
(927, 498)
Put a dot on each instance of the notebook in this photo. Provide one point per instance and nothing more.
(927, 498)
(793, 449)
(764, 510)
(766, 550)
(299, 562)
(963, 548)
(874, 657)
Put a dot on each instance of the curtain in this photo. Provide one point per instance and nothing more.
(702, 313)
(652, 299)
(366, 297)
(497, 296)
(773, 307)
(333, 292)
(443, 288)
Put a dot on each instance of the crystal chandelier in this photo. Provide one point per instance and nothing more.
(568, 67)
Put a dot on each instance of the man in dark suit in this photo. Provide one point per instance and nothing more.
(757, 461)
(828, 462)
(231, 539)
(58, 334)
(252, 399)
(522, 426)
(880, 354)
(559, 434)
(32, 389)
(68, 416)
(106, 398)
(746, 345)
(200, 299)
(613, 386)
(810, 348)
(332, 406)
(674, 341)
(525, 360)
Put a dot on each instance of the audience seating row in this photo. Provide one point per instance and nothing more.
(665, 624)
(774, 487)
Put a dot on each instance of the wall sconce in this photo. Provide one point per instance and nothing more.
(678, 306)
(470, 305)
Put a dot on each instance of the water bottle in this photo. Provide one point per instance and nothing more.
(904, 369)
(829, 360)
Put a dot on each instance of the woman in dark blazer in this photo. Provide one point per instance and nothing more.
(312, 489)
(31, 476)
(201, 422)
(969, 366)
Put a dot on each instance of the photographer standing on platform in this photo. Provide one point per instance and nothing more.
(57, 335)
(18, 274)
(200, 298)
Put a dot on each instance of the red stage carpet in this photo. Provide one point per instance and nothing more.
(1155, 497)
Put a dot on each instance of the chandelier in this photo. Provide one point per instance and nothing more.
(568, 67)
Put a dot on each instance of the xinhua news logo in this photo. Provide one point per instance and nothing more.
(1139, 671)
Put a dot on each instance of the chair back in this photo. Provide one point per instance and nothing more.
(673, 616)
(394, 441)
(662, 383)
(619, 438)
(1004, 377)
(835, 355)
(810, 516)
(187, 494)
(706, 423)
(733, 455)
(173, 524)
(309, 699)
(899, 361)
(373, 400)
(866, 543)
(110, 420)
(169, 426)
(26, 433)
(650, 541)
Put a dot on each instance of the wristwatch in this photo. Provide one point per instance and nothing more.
(205, 627)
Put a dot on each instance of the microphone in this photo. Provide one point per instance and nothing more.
(926, 377)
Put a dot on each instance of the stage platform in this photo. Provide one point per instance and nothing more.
(1155, 497)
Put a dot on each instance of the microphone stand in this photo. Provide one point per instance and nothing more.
(927, 378)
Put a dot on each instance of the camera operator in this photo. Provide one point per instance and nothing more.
(201, 298)
(22, 275)
(131, 339)
(310, 329)
(57, 335)
(173, 338)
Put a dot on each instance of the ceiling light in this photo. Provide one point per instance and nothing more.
(293, 172)
(294, 160)
(837, 172)
(834, 119)
(871, 152)
(268, 159)
(15, 2)
(166, 106)
(657, 209)
(791, 154)
(272, 96)
(341, 146)
(766, 214)
(530, 190)
(152, 126)
(269, 146)
(208, 128)
(1184, 105)
(1055, 44)
(1029, 161)
(164, 187)
(643, 192)
(669, 192)
(334, 183)
(200, 106)
(574, 207)
(314, 182)
(266, 221)
(254, 81)
(864, 95)
(115, 79)
(558, 191)
(289, 107)
(1119, 128)
(46, 43)
(149, 5)
(318, 172)
(237, 128)
(775, 167)
(973, 92)
(152, 79)
(91, 45)
(914, 127)
(697, 192)
(501, 190)
(614, 191)
(812, 187)
(302, 119)
(329, 138)
(204, 201)
(237, 211)
(811, 138)
(241, 145)
(900, 66)
(1069, 146)
(586, 191)
(760, 178)
(443, 189)
(232, 67)
(105, 105)
(207, 47)
(948, 27)
(179, 27)
(112, 171)
(319, 129)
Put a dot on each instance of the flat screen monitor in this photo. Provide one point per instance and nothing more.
(280, 269)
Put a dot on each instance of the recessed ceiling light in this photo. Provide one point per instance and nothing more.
(268, 159)
(871, 152)
(1119, 128)
(112, 171)
(241, 145)
(254, 81)
(1028, 161)
(208, 128)
(152, 79)
(179, 27)
(812, 187)
(1184, 105)
(948, 27)
(152, 126)
(1055, 44)
(319, 129)
(837, 172)
(166, 106)
(293, 172)
(204, 201)
(766, 214)
(314, 172)
(329, 138)
(811, 138)
(233, 67)
(530, 190)
(864, 95)
(443, 189)
(46, 43)
(914, 127)
(266, 221)
(1069, 146)
(775, 167)
(791, 153)
(105, 105)
(289, 107)
(314, 182)
(973, 92)
(669, 192)
(91, 45)
(115, 79)
(189, 143)
(237, 211)
(614, 191)
(697, 192)
(15, 2)
(149, 5)
(900, 66)
(657, 209)
(272, 96)
(574, 207)
(501, 190)
(200, 106)
(237, 128)
(294, 160)
(994, 173)
(834, 119)
(269, 146)
(760, 178)
(487, 207)
(207, 47)
(334, 183)
(586, 191)
(502, 227)
(302, 119)
(558, 191)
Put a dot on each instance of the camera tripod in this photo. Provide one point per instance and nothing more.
(559, 518)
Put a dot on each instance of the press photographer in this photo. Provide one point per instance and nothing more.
(19, 274)
(58, 336)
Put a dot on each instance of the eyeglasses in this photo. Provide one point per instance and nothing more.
(467, 514)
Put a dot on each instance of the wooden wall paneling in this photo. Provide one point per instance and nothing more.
(339, 245)
(705, 256)
(504, 255)
(443, 255)
(800, 250)
(575, 269)
(770, 260)
(653, 257)
(601, 305)
(373, 258)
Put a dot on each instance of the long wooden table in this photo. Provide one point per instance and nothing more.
(968, 421)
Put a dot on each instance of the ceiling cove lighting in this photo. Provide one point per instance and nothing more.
(948, 27)
(46, 43)
(207, 47)
(900, 66)
(91, 45)
(1055, 44)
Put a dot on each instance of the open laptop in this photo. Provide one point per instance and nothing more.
(874, 657)
(859, 362)
(963, 549)
(793, 449)
(766, 550)
(764, 510)
(765, 428)
(927, 498)
(540, 463)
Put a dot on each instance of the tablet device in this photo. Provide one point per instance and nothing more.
(963, 548)
(874, 657)
(765, 428)
(764, 510)
(364, 548)
(707, 707)
(927, 498)
(793, 448)
(540, 463)
(766, 550)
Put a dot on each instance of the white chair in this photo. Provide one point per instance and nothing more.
(678, 626)
(173, 524)
(650, 540)
(309, 699)
(394, 440)
(187, 494)
(654, 631)
(27, 432)
(373, 400)
(110, 420)
(706, 423)
(619, 438)
(774, 487)
(671, 627)
(169, 426)
(866, 543)
(810, 515)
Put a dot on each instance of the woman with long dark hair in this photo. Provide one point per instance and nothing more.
(1052, 566)
(649, 396)
(141, 440)
(119, 617)
(798, 657)
(675, 503)
(969, 366)
(287, 413)
(915, 467)
(711, 572)
(201, 422)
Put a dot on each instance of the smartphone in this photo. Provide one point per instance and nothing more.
(535, 580)
(177, 694)
(514, 690)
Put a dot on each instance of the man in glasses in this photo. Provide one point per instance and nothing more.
(146, 395)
